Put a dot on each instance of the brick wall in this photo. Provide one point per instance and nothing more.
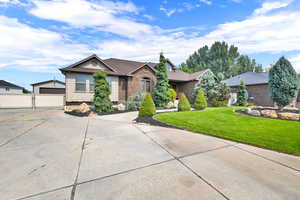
(185, 87)
(134, 82)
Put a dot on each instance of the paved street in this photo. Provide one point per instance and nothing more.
(48, 155)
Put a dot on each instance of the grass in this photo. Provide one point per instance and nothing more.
(279, 135)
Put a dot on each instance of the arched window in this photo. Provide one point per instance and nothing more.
(145, 85)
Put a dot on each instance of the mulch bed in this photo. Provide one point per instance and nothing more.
(154, 122)
(77, 113)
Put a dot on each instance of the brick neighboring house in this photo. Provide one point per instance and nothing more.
(126, 78)
(257, 84)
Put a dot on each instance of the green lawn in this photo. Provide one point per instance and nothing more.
(274, 134)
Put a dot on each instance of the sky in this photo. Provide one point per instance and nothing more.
(37, 37)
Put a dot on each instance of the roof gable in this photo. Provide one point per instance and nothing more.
(92, 62)
(43, 82)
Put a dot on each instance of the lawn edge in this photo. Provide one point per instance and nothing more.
(209, 134)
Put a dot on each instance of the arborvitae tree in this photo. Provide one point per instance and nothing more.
(283, 83)
(242, 94)
(161, 95)
(147, 108)
(184, 104)
(101, 101)
(200, 101)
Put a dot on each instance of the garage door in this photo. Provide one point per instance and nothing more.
(44, 90)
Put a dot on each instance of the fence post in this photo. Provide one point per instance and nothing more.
(33, 101)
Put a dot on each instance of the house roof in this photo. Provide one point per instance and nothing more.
(121, 67)
(39, 83)
(4, 83)
(249, 78)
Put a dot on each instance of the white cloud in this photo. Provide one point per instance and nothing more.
(269, 6)
(32, 49)
(103, 15)
(170, 11)
(277, 32)
(296, 62)
(10, 1)
(207, 2)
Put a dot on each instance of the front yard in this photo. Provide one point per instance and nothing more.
(273, 134)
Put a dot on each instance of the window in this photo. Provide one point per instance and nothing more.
(6, 89)
(91, 83)
(80, 83)
(109, 80)
(145, 85)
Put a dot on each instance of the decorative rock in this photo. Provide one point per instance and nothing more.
(247, 110)
(84, 108)
(269, 113)
(121, 107)
(170, 105)
(289, 116)
(254, 113)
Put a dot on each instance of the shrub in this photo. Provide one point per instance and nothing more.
(216, 103)
(283, 83)
(101, 101)
(184, 104)
(242, 95)
(200, 101)
(147, 108)
(172, 94)
(134, 102)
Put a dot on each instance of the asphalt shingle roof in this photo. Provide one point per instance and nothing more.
(249, 78)
(4, 83)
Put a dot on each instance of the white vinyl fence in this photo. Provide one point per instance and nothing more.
(31, 100)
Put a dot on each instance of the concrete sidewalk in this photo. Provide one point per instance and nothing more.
(49, 155)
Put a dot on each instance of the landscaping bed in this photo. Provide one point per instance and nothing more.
(279, 135)
(292, 114)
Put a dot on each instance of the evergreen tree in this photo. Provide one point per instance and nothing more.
(147, 108)
(161, 94)
(101, 101)
(242, 94)
(283, 83)
(200, 101)
(220, 57)
(184, 104)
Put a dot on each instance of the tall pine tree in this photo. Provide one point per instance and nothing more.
(161, 95)
(220, 58)
(283, 83)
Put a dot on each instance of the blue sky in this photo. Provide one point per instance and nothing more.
(40, 36)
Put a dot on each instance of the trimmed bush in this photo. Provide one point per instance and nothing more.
(102, 91)
(147, 108)
(216, 103)
(200, 101)
(184, 104)
(242, 95)
(172, 94)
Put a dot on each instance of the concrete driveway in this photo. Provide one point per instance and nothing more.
(48, 155)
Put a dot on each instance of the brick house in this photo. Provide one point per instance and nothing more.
(257, 84)
(126, 78)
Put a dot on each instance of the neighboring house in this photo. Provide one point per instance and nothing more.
(10, 88)
(126, 78)
(257, 84)
(49, 87)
